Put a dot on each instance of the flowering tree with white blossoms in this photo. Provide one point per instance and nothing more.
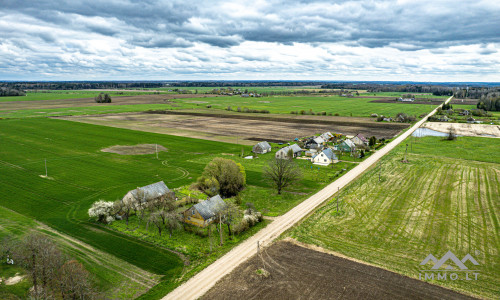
(103, 211)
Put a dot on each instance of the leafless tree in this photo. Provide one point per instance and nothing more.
(282, 172)
(74, 281)
(232, 215)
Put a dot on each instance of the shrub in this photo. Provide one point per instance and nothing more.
(103, 211)
(226, 174)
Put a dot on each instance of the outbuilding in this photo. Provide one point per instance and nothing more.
(283, 152)
(261, 148)
(146, 193)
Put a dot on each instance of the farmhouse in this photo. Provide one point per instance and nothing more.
(315, 143)
(325, 158)
(283, 152)
(146, 193)
(261, 148)
(359, 140)
(346, 146)
(204, 213)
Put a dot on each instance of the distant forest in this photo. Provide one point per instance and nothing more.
(7, 92)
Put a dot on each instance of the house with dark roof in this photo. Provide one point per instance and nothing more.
(325, 158)
(205, 212)
(315, 143)
(261, 148)
(283, 152)
(147, 193)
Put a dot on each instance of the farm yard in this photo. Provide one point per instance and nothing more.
(444, 199)
(318, 275)
(80, 173)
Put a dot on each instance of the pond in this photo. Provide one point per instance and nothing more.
(421, 132)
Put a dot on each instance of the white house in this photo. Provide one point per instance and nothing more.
(325, 158)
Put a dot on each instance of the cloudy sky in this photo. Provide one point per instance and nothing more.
(410, 40)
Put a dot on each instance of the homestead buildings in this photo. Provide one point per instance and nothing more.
(205, 212)
(146, 193)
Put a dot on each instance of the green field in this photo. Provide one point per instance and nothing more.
(79, 174)
(68, 94)
(445, 199)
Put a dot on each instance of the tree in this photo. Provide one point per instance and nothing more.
(172, 222)
(226, 173)
(373, 141)
(74, 281)
(451, 134)
(103, 211)
(233, 215)
(282, 172)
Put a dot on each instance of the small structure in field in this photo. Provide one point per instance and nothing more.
(346, 146)
(283, 152)
(359, 140)
(325, 158)
(261, 148)
(146, 193)
(204, 213)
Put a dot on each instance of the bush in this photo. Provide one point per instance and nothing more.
(226, 174)
(102, 98)
(103, 211)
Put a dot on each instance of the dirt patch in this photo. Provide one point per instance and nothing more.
(466, 129)
(139, 149)
(14, 280)
(242, 128)
(296, 272)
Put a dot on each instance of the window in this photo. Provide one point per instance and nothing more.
(325, 159)
(192, 212)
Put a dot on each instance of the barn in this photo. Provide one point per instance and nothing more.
(146, 193)
(261, 148)
(283, 152)
(204, 213)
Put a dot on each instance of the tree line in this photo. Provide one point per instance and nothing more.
(7, 92)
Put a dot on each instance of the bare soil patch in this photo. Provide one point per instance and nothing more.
(242, 128)
(296, 272)
(139, 149)
(466, 129)
(14, 280)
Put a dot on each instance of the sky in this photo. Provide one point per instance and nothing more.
(407, 40)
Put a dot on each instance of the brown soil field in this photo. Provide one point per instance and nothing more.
(464, 101)
(466, 129)
(135, 149)
(84, 102)
(296, 272)
(241, 129)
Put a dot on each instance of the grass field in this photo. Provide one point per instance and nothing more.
(67, 94)
(79, 174)
(445, 199)
(356, 107)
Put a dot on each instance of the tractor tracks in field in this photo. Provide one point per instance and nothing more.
(185, 173)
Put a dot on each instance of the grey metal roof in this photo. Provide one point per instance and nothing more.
(152, 191)
(208, 208)
(329, 153)
(263, 145)
(296, 148)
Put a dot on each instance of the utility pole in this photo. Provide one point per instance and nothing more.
(156, 151)
(406, 151)
(46, 168)
(379, 171)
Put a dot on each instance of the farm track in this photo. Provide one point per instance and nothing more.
(203, 281)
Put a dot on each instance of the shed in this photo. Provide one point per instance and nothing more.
(261, 148)
(315, 143)
(204, 213)
(325, 158)
(346, 146)
(147, 193)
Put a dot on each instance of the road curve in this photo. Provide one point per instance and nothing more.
(203, 281)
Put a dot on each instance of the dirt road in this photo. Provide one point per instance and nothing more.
(203, 281)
